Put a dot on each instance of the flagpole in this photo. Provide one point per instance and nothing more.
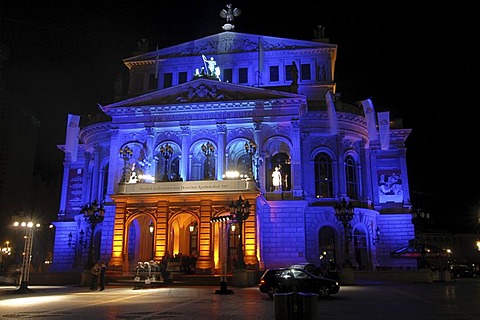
(260, 61)
(156, 65)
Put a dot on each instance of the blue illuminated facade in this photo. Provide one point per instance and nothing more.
(161, 155)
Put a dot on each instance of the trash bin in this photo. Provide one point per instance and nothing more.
(284, 306)
(307, 306)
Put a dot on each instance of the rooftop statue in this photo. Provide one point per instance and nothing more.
(319, 33)
(229, 14)
(210, 65)
(209, 70)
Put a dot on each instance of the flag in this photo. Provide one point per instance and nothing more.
(156, 65)
(370, 116)
(384, 128)
(260, 54)
(71, 143)
(332, 113)
(260, 61)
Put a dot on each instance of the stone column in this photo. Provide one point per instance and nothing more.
(185, 146)
(221, 137)
(150, 148)
(296, 166)
(258, 157)
(115, 171)
(85, 188)
(339, 168)
(65, 184)
(96, 172)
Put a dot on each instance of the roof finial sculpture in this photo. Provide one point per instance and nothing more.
(229, 14)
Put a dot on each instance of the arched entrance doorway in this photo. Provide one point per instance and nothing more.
(183, 235)
(140, 240)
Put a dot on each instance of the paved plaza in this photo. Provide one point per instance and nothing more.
(375, 300)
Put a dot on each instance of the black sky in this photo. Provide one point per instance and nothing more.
(416, 63)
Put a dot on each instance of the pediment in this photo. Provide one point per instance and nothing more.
(228, 42)
(202, 90)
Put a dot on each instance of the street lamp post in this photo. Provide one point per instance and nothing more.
(94, 214)
(240, 211)
(166, 151)
(6, 251)
(126, 154)
(151, 228)
(344, 214)
(420, 220)
(223, 220)
(27, 255)
(477, 242)
(208, 150)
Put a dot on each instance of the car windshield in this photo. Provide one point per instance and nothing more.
(299, 274)
(285, 274)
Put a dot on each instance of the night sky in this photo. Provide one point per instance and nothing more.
(416, 63)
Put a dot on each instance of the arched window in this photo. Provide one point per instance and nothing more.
(202, 164)
(208, 150)
(244, 165)
(175, 168)
(351, 177)
(323, 176)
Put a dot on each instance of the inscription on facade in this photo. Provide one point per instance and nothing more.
(186, 186)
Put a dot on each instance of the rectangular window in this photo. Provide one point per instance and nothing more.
(182, 77)
(274, 74)
(288, 72)
(227, 75)
(243, 75)
(305, 72)
(152, 82)
(167, 80)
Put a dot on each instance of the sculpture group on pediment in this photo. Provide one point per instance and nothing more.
(200, 93)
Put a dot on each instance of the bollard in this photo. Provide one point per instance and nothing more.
(307, 306)
(284, 306)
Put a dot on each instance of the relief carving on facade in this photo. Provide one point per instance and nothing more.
(173, 210)
(202, 93)
(140, 210)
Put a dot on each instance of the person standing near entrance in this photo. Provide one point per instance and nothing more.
(103, 275)
(95, 274)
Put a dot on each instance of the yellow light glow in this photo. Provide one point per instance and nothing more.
(34, 301)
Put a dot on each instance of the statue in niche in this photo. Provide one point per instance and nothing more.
(277, 179)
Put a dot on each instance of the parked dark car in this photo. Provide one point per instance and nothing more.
(329, 272)
(462, 271)
(283, 280)
(310, 267)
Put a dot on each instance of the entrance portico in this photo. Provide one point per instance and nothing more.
(172, 212)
